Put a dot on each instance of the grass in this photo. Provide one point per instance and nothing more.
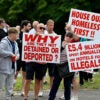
(95, 85)
(87, 85)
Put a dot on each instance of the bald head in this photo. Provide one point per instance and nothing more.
(34, 24)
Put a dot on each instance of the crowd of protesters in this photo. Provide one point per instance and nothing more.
(11, 39)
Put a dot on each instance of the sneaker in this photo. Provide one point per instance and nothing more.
(14, 93)
(14, 82)
(22, 94)
(74, 98)
(62, 97)
(91, 81)
(45, 82)
(8, 98)
(40, 94)
(25, 98)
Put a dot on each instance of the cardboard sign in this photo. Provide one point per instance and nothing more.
(41, 48)
(83, 55)
(85, 24)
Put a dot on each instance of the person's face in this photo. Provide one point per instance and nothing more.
(35, 25)
(14, 36)
(67, 39)
(50, 27)
(3, 24)
(41, 29)
(28, 27)
(67, 28)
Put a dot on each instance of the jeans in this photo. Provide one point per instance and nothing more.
(55, 86)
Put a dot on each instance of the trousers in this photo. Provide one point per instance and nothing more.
(7, 81)
(55, 86)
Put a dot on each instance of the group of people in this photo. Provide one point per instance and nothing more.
(11, 62)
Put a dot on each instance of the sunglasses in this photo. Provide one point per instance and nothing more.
(42, 28)
(69, 35)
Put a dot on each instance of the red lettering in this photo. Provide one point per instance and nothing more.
(42, 38)
(73, 66)
(95, 18)
(54, 50)
(81, 15)
(92, 34)
(53, 39)
(80, 31)
(38, 57)
(30, 37)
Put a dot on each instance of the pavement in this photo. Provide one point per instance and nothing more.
(83, 95)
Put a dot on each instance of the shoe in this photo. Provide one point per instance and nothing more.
(14, 81)
(25, 98)
(40, 94)
(62, 97)
(22, 94)
(35, 98)
(45, 82)
(91, 81)
(8, 98)
(74, 98)
(14, 93)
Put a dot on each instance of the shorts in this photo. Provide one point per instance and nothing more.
(50, 67)
(34, 69)
(21, 64)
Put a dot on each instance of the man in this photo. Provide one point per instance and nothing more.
(9, 53)
(50, 31)
(33, 30)
(50, 66)
(25, 27)
(2, 25)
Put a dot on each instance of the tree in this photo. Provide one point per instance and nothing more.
(16, 10)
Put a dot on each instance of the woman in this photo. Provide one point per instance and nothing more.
(34, 69)
(57, 78)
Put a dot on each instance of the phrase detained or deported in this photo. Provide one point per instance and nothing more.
(84, 55)
(85, 24)
(41, 48)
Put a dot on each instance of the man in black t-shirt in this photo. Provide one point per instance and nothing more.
(25, 27)
(2, 32)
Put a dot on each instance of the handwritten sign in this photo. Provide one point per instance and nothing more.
(41, 48)
(85, 24)
(83, 55)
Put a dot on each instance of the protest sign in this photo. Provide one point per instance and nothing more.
(41, 48)
(83, 55)
(85, 24)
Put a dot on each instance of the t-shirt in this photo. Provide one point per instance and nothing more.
(32, 31)
(2, 34)
(63, 56)
(46, 32)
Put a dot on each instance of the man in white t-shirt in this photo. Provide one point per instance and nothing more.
(50, 27)
(50, 66)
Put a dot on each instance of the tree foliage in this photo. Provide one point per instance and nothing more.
(16, 10)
